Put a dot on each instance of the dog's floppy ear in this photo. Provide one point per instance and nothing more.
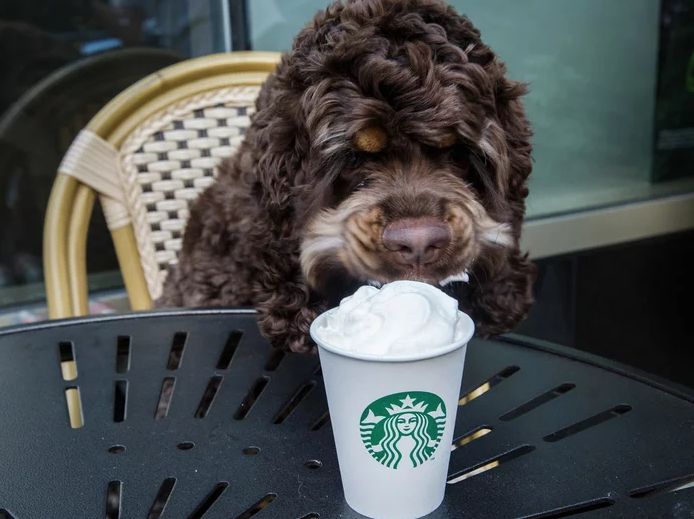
(275, 169)
(513, 128)
(505, 299)
(501, 295)
(504, 139)
(287, 165)
(275, 141)
(504, 296)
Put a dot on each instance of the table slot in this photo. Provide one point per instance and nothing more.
(178, 345)
(662, 487)
(573, 510)
(230, 347)
(209, 500)
(461, 475)
(68, 365)
(167, 390)
(113, 500)
(251, 397)
(287, 409)
(470, 436)
(123, 343)
(258, 506)
(74, 407)
(162, 498)
(209, 396)
(593, 421)
(120, 400)
(537, 401)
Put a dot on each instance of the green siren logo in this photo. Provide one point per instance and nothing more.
(403, 426)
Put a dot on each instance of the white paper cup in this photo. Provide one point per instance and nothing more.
(392, 421)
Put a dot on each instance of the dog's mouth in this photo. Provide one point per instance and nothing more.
(438, 276)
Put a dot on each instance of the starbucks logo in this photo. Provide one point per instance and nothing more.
(403, 428)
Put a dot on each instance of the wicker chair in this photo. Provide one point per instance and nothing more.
(147, 155)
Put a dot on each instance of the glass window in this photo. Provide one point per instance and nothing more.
(609, 81)
(61, 61)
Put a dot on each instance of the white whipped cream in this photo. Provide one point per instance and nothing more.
(402, 318)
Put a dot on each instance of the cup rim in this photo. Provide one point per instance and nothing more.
(438, 352)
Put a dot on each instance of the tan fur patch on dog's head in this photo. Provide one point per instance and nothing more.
(371, 140)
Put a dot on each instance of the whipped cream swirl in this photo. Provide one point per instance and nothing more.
(401, 318)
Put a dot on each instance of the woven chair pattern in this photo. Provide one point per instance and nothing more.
(169, 160)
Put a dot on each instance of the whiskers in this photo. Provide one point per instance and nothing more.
(317, 250)
(324, 241)
(462, 277)
(347, 240)
(477, 279)
(496, 233)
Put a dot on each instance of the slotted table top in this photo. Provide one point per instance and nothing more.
(190, 415)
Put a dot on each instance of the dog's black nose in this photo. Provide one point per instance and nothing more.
(416, 241)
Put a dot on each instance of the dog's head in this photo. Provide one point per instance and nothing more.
(392, 137)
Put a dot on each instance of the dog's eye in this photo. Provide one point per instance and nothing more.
(461, 158)
(356, 158)
(364, 183)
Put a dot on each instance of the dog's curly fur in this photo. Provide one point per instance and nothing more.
(296, 218)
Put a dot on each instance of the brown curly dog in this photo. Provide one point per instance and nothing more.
(388, 145)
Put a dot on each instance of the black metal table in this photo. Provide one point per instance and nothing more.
(190, 415)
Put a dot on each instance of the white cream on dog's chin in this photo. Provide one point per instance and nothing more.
(463, 276)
